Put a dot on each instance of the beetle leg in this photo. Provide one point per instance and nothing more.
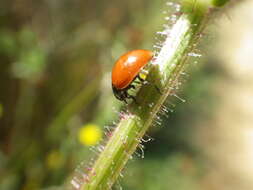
(131, 86)
(130, 97)
(125, 100)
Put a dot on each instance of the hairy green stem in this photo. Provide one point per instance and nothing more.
(164, 73)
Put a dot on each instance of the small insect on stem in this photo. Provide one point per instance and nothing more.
(125, 71)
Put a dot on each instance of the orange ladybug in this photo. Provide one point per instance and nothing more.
(126, 69)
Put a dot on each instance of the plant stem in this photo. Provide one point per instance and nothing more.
(164, 73)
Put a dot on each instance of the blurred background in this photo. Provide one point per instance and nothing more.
(56, 101)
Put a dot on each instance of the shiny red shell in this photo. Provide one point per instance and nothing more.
(128, 66)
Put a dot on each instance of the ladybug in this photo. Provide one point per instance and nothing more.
(126, 69)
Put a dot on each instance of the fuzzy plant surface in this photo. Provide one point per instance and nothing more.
(192, 17)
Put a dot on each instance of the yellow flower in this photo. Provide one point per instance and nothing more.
(90, 134)
(54, 160)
